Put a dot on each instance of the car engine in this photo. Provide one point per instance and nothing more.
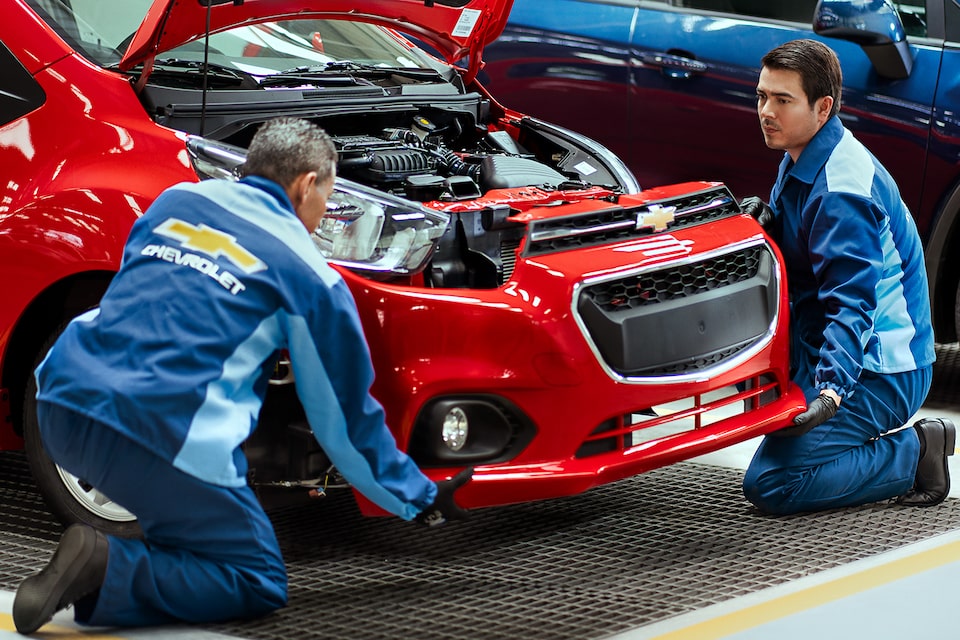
(423, 168)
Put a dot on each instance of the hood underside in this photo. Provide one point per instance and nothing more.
(456, 28)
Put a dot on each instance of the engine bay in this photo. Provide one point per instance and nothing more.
(416, 162)
(452, 149)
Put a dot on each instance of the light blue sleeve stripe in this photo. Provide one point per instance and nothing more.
(329, 424)
(229, 410)
(850, 168)
(893, 324)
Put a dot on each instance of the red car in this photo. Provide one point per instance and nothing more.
(531, 312)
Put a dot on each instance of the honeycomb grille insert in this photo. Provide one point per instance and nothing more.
(684, 317)
(676, 282)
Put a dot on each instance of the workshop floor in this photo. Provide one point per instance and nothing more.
(676, 553)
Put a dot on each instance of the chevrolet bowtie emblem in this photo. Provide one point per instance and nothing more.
(656, 217)
(210, 241)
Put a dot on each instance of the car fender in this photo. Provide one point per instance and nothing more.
(59, 253)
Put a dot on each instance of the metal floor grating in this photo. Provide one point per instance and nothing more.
(616, 558)
(619, 557)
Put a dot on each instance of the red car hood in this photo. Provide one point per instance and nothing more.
(455, 27)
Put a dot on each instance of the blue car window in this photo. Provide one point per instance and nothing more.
(914, 17)
(912, 12)
(794, 11)
(709, 5)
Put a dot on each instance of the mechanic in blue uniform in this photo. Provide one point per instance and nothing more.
(861, 337)
(150, 396)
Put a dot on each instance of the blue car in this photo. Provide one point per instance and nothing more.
(669, 85)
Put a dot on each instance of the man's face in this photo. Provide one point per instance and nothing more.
(313, 204)
(787, 119)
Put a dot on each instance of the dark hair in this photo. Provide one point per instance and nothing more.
(817, 64)
(284, 148)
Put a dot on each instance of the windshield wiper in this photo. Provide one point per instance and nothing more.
(291, 79)
(363, 70)
(221, 75)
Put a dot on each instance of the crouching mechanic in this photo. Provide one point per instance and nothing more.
(861, 336)
(150, 397)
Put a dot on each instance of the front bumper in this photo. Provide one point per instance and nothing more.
(591, 407)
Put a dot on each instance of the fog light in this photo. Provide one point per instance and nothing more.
(462, 430)
(455, 429)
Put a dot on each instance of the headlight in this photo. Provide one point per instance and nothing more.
(375, 233)
(364, 230)
(214, 159)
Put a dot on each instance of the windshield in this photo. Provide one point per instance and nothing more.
(101, 30)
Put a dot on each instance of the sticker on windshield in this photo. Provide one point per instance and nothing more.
(585, 168)
(466, 23)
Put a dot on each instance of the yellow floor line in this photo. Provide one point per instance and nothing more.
(814, 596)
(52, 631)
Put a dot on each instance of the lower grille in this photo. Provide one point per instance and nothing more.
(684, 318)
(683, 415)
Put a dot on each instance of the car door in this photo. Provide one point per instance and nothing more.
(694, 87)
(669, 85)
(938, 217)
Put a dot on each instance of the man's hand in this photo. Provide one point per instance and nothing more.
(758, 209)
(444, 507)
(820, 409)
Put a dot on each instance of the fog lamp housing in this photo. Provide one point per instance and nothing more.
(475, 429)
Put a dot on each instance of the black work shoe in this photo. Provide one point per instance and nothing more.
(77, 569)
(931, 485)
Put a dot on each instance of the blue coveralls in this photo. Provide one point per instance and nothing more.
(860, 325)
(150, 396)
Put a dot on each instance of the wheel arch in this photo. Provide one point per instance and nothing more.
(61, 301)
(943, 242)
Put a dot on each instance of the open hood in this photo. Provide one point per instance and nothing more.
(456, 28)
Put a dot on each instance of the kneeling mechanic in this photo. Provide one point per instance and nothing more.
(861, 336)
(150, 396)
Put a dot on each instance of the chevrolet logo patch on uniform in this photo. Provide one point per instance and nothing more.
(656, 217)
(210, 241)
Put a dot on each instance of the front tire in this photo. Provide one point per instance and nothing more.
(956, 312)
(70, 499)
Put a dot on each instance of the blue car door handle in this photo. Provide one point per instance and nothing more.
(673, 65)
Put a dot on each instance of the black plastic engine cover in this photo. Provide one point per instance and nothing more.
(511, 172)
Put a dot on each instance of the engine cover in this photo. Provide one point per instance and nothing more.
(510, 172)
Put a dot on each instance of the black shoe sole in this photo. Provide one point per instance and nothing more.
(949, 446)
(73, 572)
(911, 498)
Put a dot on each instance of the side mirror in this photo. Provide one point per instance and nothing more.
(875, 25)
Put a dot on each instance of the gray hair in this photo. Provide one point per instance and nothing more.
(284, 148)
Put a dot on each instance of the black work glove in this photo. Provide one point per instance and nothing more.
(444, 507)
(820, 409)
(758, 209)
